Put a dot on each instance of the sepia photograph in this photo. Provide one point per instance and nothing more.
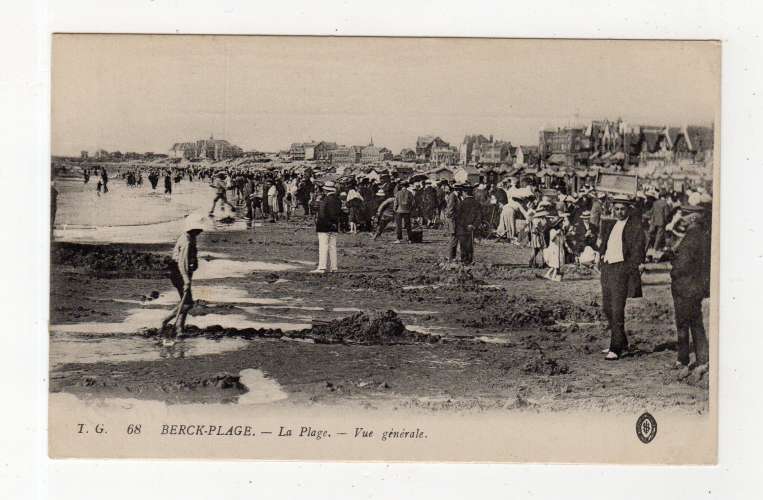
(381, 248)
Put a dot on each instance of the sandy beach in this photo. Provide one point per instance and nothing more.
(497, 337)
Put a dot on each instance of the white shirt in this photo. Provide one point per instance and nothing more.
(615, 244)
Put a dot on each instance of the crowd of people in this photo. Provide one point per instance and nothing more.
(613, 234)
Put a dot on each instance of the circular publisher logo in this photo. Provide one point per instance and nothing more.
(646, 428)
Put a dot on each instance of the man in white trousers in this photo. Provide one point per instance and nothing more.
(327, 225)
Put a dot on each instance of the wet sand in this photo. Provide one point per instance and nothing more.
(502, 337)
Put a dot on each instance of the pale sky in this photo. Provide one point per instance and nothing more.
(144, 93)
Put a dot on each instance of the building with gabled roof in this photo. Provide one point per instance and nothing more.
(407, 155)
(424, 145)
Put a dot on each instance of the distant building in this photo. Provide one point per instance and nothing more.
(443, 155)
(217, 149)
(374, 154)
(345, 155)
(181, 150)
(312, 151)
(525, 155)
(424, 145)
(408, 155)
(297, 151)
(84, 155)
(652, 144)
(495, 153)
(309, 150)
(606, 142)
(322, 150)
(210, 149)
(693, 144)
(470, 144)
(565, 147)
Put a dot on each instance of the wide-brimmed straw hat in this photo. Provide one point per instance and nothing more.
(621, 199)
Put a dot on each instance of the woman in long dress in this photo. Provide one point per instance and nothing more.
(355, 207)
(537, 235)
(554, 254)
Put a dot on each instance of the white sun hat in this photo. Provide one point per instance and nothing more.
(196, 221)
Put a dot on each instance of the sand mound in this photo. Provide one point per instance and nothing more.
(367, 328)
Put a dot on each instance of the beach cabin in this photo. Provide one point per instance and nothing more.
(440, 174)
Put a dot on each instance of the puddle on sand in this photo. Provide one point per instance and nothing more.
(138, 319)
(415, 313)
(147, 318)
(219, 295)
(225, 268)
(427, 329)
(71, 349)
(345, 309)
(213, 255)
(260, 389)
(305, 262)
(301, 308)
(492, 340)
(260, 312)
(235, 225)
(124, 301)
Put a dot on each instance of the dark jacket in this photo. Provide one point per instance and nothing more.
(403, 201)
(634, 251)
(690, 276)
(481, 196)
(500, 196)
(597, 210)
(581, 240)
(329, 211)
(660, 213)
(469, 213)
(452, 203)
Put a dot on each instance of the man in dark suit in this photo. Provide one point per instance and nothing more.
(622, 249)
(327, 225)
(468, 218)
(690, 283)
(451, 211)
(659, 218)
(585, 233)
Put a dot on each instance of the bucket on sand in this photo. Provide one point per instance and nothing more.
(417, 235)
